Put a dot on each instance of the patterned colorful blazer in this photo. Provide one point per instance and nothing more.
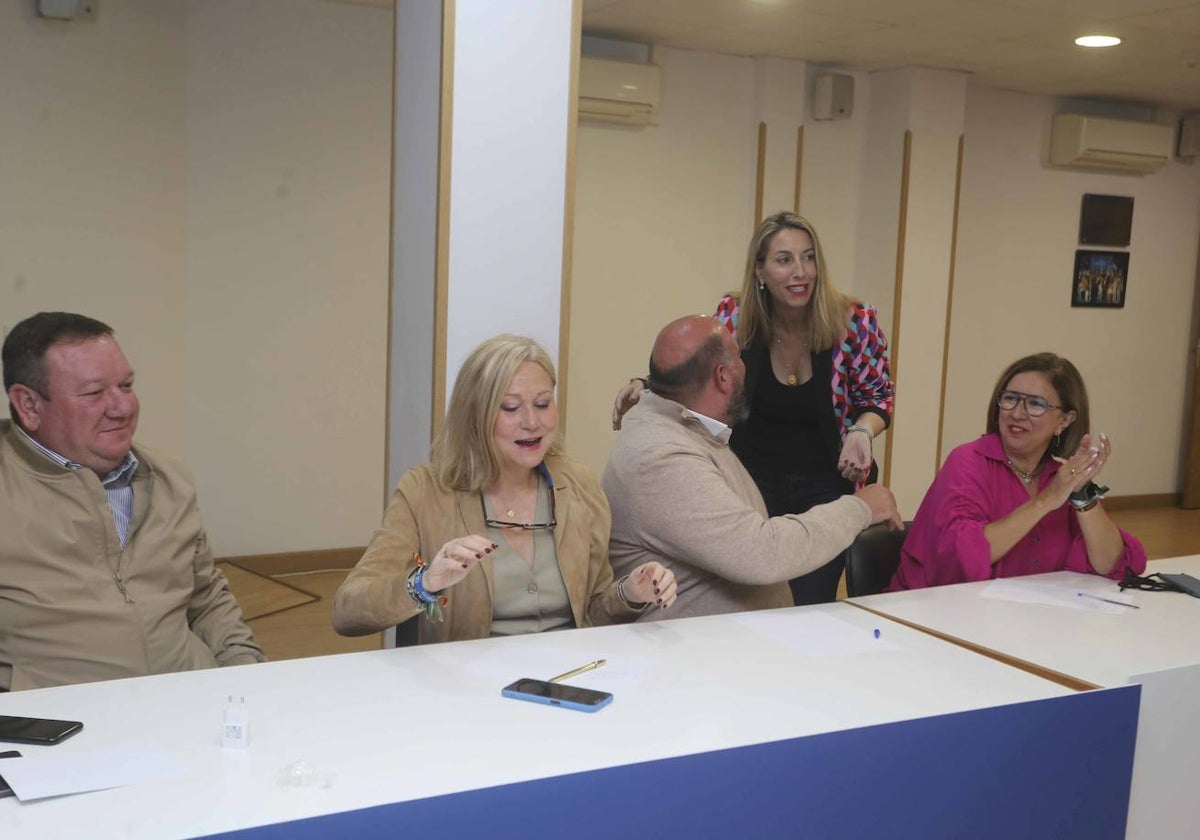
(856, 368)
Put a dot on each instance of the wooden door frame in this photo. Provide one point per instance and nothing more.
(1190, 497)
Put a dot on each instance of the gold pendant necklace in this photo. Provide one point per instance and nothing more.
(1026, 477)
(511, 510)
(792, 376)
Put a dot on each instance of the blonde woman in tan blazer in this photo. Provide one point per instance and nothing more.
(501, 533)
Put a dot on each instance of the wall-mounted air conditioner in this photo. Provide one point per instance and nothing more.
(619, 91)
(1102, 143)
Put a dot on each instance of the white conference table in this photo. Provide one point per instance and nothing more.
(398, 725)
(1156, 645)
(1101, 648)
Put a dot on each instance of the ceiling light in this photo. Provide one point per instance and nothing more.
(1098, 41)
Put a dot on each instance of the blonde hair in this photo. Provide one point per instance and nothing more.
(464, 453)
(827, 309)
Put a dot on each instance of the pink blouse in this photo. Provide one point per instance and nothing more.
(945, 543)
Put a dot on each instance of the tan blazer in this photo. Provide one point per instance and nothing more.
(422, 516)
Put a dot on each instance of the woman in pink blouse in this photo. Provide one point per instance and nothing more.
(1022, 499)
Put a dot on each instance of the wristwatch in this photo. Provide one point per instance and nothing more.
(1087, 496)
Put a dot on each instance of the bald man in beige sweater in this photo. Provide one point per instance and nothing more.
(679, 495)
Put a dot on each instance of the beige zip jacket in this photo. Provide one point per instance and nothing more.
(75, 607)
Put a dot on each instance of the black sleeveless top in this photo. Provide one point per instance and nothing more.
(789, 444)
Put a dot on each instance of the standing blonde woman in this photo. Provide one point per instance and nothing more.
(817, 381)
(501, 534)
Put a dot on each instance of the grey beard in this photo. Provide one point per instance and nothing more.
(738, 410)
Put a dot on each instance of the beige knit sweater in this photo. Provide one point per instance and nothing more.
(680, 496)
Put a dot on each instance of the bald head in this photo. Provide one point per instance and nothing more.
(680, 340)
(695, 362)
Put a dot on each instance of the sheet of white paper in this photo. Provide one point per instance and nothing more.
(79, 771)
(1083, 595)
(815, 634)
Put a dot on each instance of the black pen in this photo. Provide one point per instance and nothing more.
(1106, 600)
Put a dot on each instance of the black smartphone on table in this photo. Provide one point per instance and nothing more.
(5, 790)
(1186, 583)
(557, 694)
(27, 730)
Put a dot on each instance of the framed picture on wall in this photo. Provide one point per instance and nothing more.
(1106, 220)
(1100, 278)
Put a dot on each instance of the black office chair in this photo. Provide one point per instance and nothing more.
(406, 633)
(872, 559)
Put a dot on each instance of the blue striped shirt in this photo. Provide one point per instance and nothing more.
(118, 484)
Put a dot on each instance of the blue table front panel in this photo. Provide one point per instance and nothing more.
(1057, 768)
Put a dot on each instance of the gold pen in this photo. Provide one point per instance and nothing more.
(582, 669)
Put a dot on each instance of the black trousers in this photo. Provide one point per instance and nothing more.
(796, 493)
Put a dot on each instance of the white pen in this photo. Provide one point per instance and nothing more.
(1106, 600)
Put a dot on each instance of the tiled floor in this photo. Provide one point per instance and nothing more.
(289, 625)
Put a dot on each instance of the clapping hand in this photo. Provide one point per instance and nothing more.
(1083, 466)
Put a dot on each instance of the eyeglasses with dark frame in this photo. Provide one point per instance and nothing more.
(1147, 583)
(524, 526)
(1035, 406)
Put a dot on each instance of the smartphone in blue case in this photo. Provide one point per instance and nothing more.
(557, 694)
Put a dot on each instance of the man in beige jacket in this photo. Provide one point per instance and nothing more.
(679, 495)
(105, 569)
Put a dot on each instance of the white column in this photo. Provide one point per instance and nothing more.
(418, 83)
(931, 105)
(483, 91)
(512, 78)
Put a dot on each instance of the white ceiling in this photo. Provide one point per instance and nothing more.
(1025, 45)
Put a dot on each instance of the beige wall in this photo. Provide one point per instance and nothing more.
(934, 120)
(655, 201)
(1019, 222)
(93, 183)
(663, 215)
(661, 219)
(211, 178)
(289, 148)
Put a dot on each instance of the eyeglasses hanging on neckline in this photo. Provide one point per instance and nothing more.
(492, 522)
